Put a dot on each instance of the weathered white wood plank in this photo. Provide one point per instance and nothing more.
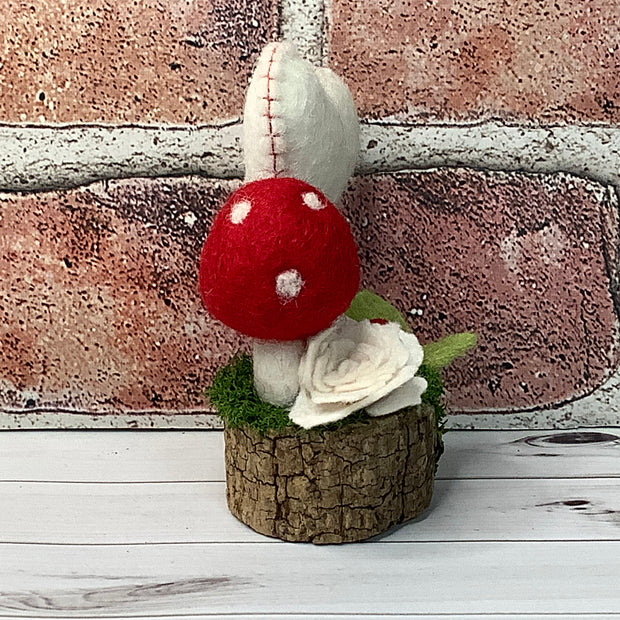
(125, 513)
(414, 578)
(462, 510)
(132, 456)
(525, 454)
(331, 616)
(112, 456)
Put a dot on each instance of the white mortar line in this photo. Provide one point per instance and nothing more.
(599, 409)
(142, 420)
(302, 23)
(41, 158)
(44, 158)
(328, 26)
(586, 151)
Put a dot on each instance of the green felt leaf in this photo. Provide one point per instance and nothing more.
(368, 305)
(441, 353)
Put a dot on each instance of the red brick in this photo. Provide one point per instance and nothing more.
(466, 59)
(520, 260)
(130, 62)
(99, 306)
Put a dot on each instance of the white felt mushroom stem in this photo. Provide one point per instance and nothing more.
(276, 366)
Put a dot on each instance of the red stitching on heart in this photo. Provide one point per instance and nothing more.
(270, 115)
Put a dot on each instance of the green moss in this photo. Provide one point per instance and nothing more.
(434, 397)
(233, 395)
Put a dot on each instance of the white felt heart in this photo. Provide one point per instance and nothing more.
(299, 121)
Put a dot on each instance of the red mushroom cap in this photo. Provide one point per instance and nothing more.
(280, 262)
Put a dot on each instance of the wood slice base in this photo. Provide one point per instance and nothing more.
(336, 486)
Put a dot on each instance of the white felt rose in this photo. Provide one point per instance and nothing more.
(357, 365)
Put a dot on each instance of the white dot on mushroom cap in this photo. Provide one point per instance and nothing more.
(289, 284)
(313, 201)
(240, 211)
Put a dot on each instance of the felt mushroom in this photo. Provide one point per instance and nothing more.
(300, 123)
(279, 265)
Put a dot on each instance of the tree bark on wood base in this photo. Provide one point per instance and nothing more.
(334, 486)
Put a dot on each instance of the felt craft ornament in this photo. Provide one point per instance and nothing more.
(280, 265)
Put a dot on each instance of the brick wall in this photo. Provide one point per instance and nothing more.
(486, 196)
